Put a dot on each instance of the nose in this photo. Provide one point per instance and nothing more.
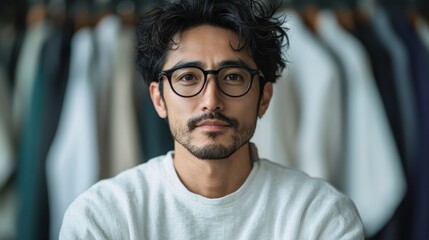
(211, 97)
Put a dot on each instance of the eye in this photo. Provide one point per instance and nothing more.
(233, 77)
(188, 78)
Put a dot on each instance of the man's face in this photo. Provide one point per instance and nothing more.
(210, 125)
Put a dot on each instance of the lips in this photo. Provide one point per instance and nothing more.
(213, 123)
(212, 120)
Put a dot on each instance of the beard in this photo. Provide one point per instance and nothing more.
(241, 134)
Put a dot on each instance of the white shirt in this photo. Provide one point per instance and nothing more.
(373, 175)
(150, 202)
(301, 128)
(72, 164)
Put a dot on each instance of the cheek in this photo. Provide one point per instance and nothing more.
(178, 110)
(245, 110)
(251, 104)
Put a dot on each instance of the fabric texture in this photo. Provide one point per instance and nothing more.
(150, 202)
(401, 77)
(105, 38)
(382, 69)
(8, 212)
(54, 72)
(7, 164)
(417, 196)
(125, 145)
(372, 165)
(302, 126)
(396, 229)
(25, 71)
(422, 30)
(72, 164)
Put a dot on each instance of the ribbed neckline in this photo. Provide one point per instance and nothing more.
(183, 193)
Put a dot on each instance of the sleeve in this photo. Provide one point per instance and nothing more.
(79, 222)
(94, 215)
(337, 218)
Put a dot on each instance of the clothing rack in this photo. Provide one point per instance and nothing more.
(83, 18)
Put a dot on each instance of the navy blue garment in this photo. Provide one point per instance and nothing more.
(382, 67)
(38, 132)
(13, 60)
(416, 213)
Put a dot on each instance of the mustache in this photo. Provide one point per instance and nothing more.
(193, 122)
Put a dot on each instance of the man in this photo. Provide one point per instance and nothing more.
(210, 66)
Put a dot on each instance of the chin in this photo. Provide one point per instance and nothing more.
(213, 151)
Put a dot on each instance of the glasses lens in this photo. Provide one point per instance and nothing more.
(234, 81)
(187, 81)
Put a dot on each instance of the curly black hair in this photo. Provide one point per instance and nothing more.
(260, 32)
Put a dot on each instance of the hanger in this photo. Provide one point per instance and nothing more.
(36, 13)
(57, 12)
(80, 14)
(126, 9)
(344, 13)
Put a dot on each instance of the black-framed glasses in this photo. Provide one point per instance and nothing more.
(189, 81)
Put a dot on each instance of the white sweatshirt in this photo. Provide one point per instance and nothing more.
(150, 202)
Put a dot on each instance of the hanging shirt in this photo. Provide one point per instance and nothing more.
(7, 164)
(125, 144)
(8, 212)
(373, 175)
(72, 162)
(401, 77)
(418, 196)
(106, 33)
(382, 69)
(422, 30)
(8, 198)
(311, 115)
(51, 83)
(26, 71)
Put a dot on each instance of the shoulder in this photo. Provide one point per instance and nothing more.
(139, 178)
(310, 207)
(290, 177)
(111, 203)
(289, 182)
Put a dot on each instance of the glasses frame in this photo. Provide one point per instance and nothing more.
(252, 72)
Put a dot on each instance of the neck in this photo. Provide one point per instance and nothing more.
(212, 178)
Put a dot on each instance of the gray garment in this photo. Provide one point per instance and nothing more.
(124, 151)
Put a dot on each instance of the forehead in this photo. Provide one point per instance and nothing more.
(207, 44)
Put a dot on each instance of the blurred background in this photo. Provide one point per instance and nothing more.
(351, 107)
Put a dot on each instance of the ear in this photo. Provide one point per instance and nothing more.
(267, 93)
(157, 100)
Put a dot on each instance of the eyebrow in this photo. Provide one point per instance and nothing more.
(228, 62)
